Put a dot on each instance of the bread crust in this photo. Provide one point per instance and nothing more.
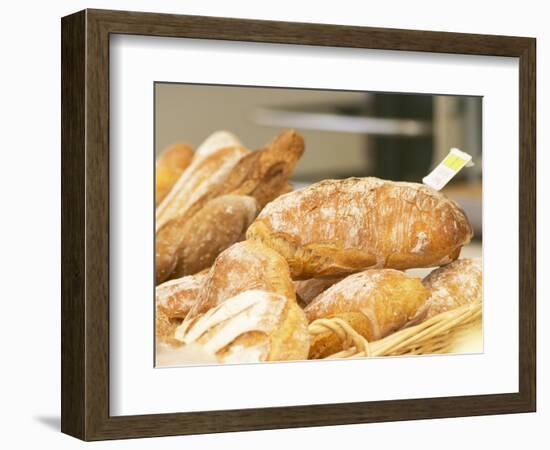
(307, 290)
(197, 181)
(252, 326)
(456, 284)
(374, 302)
(222, 222)
(218, 139)
(263, 174)
(337, 227)
(243, 266)
(169, 166)
(175, 297)
(173, 300)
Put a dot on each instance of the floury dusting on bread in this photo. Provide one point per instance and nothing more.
(250, 270)
(337, 227)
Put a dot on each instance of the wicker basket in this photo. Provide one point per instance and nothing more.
(436, 335)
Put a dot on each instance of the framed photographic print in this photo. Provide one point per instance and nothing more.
(271, 224)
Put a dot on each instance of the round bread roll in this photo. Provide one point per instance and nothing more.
(337, 227)
(374, 302)
(253, 326)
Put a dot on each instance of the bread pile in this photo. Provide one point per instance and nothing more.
(244, 264)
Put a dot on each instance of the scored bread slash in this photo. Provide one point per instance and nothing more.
(447, 169)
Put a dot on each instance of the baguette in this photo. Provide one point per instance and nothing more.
(264, 174)
(169, 166)
(253, 326)
(217, 140)
(337, 227)
(197, 181)
(243, 266)
(374, 302)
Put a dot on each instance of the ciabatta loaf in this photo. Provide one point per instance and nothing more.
(243, 266)
(374, 302)
(336, 227)
(253, 326)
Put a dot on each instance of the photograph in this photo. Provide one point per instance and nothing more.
(272, 223)
(300, 224)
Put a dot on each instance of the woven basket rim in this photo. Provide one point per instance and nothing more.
(432, 336)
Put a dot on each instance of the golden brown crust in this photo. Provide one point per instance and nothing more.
(218, 139)
(242, 267)
(222, 222)
(169, 166)
(456, 284)
(307, 290)
(175, 297)
(252, 326)
(173, 300)
(196, 182)
(263, 174)
(165, 328)
(291, 340)
(187, 245)
(336, 227)
(374, 302)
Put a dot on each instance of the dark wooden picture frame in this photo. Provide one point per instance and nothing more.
(85, 224)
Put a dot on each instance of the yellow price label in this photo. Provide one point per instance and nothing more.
(454, 162)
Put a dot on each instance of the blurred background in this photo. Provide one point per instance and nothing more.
(400, 137)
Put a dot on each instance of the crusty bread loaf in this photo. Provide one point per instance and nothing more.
(218, 225)
(336, 227)
(197, 181)
(173, 300)
(374, 302)
(175, 297)
(217, 140)
(307, 290)
(253, 326)
(242, 267)
(169, 166)
(263, 174)
(191, 242)
(456, 284)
